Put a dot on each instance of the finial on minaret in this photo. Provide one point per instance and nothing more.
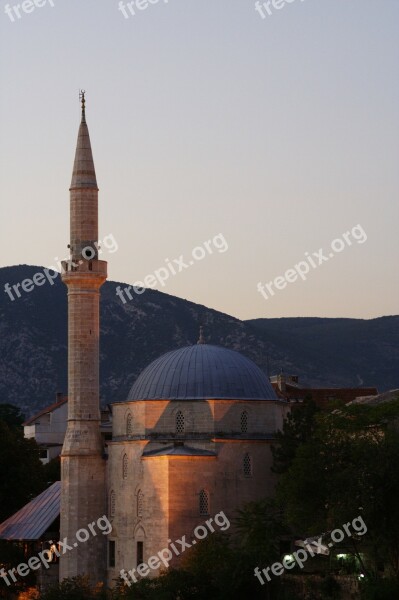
(201, 339)
(84, 173)
(83, 101)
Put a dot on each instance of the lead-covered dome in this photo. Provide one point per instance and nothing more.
(200, 372)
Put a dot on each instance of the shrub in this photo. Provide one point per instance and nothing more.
(76, 588)
(380, 589)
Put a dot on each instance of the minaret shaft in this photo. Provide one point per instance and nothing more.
(84, 223)
(83, 496)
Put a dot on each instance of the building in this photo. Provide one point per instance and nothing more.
(48, 427)
(83, 487)
(287, 388)
(34, 528)
(191, 439)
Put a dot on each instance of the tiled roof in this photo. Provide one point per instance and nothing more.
(46, 410)
(323, 395)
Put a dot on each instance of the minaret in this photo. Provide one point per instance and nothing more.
(83, 496)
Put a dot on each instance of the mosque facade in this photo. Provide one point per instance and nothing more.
(191, 439)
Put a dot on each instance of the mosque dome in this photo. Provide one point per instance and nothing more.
(200, 372)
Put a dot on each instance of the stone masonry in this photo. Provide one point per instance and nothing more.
(83, 496)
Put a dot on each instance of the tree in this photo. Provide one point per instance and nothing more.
(172, 584)
(346, 469)
(75, 588)
(11, 415)
(21, 470)
(52, 471)
(298, 427)
(259, 530)
(21, 478)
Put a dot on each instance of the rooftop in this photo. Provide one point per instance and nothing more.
(202, 371)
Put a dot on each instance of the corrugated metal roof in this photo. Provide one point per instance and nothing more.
(31, 521)
(199, 372)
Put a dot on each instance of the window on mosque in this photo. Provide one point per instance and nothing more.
(129, 424)
(179, 423)
(140, 502)
(111, 553)
(203, 503)
(124, 466)
(244, 422)
(247, 465)
(140, 553)
(112, 501)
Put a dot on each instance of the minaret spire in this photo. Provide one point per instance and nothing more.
(84, 173)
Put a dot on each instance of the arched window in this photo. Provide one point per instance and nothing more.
(247, 465)
(203, 503)
(244, 422)
(112, 501)
(129, 424)
(179, 422)
(124, 466)
(140, 553)
(140, 502)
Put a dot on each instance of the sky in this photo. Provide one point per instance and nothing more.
(258, 150)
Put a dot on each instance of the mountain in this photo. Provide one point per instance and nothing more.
(33, 341)
(338, 352)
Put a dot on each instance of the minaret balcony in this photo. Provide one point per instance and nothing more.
(84, 270)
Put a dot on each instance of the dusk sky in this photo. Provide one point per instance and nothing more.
(279, 133)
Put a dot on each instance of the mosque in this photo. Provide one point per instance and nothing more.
(192, 438)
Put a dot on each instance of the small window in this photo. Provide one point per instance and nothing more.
(112, 502)
(124, 466)
(244, 422)
(129, 425)
(140, 553)
(203, 503)
(179, 422)
(111, 553)
(247, 465)
(140, 502)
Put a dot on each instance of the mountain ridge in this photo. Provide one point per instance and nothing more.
(33, 341)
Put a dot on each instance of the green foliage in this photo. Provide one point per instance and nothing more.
(380, 589)
(169, 586)
(221, 567)
(10, 556)
(260, 527)
(347, 468)
(21, 470)
(330, 588)
(76, 588)
(218, 561)
(11, 415)
(297, 429)
(52, 471)
(23, 476)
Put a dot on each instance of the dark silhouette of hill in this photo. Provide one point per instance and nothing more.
(33, 342)
(342, 352)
